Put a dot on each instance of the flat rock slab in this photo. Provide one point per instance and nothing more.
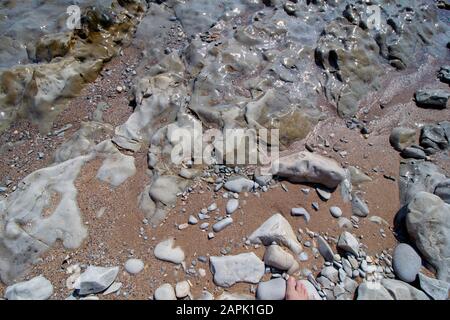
(244, 267)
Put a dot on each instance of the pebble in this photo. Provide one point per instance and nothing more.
(274, 289)
(232, 206)
(96, 279)
(182, 289)
(336, 212)
(165, 292)
(301, 212)
(325, 249)
(406, 262)
(222, 224)
(315, 206)
(323, 194)
(192, 220)
(134, 266)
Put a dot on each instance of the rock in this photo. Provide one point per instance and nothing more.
(276, 229)
(336, 212)
(182, 289)
(402, 291)
(308, 167)
(274, 289)
(166, 251)
(442, 190)
(38, 288)
(325, 249)
(244, 267)
(401, 138)
(372, 291)
(278, 258)
(378, 220)
(435, 136)
(303, 256)
(413, 153)
(222, 224)
(444, 74)
(343, 222)
(96, 279)
(192, 220)
(406, 262)
(359, 207)
(134, 266)
(212, 207)
(432, 98)
(235, 296)
(348, 243)
(188, 173)
(239, 184)
(113, 288)
(323, 194)
(330, 273)
(165, 292)
(436, 289)
(232, 206)
(428, 226)
(262, 178)
(312, 291)
(301, 212)
(358, 177)
(206, 295)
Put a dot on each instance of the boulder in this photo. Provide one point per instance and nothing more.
(406, 262)
(306, 167)
(372, 291)
(38, 288)
(428, 225)
(435, 288)
(402, 291)
(432, 98)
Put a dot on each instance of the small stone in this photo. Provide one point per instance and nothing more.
(182, 289)
(192, 220)
(274, 289)
(165, 292)
(325, 249)
(301, 212)
(166, 251)
(96, 279)
(406, 262)
(232, 206)
(323, 194)
(336, 212)
(348, 243)
(222, 224)
(134, 266)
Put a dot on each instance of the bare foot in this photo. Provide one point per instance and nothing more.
(296, 290)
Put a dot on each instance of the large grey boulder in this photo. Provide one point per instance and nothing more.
(435, 288)
(428, 225)
(166, 251)
(400, 290)
(38, 288)
(310, 168)
(274, 289)
(432, 98)
(244, 267)
(406, 262)
(372, 291)
(96, 279)
(276, 229)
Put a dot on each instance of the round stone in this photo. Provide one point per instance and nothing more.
(336, 212)
(134, 266)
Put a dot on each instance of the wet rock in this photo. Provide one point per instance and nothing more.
(134, 266)
(222, 224)
(165, 292)
(436, 289)
(167, 251)
(244, 267)
(274, 289)
(38, 288)
(325, 249)
(301, 212)
(276, 229)
(336, 212)
(96, 279)
(432, 98)
(311, 168)
(401, 138)
(348, 243)
(239, 184)
(182, 289)
(429, 227)
(278, 258)
(406, 262)
(232, 206)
